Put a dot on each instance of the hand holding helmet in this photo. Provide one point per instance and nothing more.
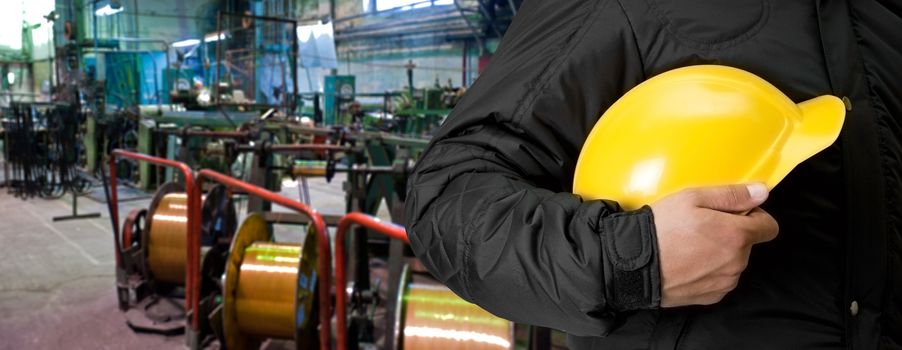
(705, 238)
(683, 142)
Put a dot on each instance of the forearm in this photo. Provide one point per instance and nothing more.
(528, 254)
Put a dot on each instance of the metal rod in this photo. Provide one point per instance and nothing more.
(393, 25)
(264, 18)
(370, 169)
(75, 215)
(310, 130)
(319, 225)
(341, 295)
(295, 148)
(110, 205)
(304, 190)
(220, 37)
(464, 58)
(382, 13)
(205, 133)
(485, 12)
(416, 31)
(293, 61)
(472, 28)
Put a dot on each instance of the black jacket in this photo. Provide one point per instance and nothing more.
(490, 213)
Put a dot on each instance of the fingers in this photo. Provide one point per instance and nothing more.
(705, 243)
(732, 198)
(761, 227)
(755, 227)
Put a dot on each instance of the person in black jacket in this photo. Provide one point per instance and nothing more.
(491, 215)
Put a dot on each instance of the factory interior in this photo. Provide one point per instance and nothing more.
(231, 174)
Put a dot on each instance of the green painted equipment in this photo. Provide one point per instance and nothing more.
(339, 93)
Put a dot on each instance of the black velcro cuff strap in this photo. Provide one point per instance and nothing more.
(633, 278)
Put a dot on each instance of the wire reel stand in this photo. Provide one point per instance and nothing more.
(423, 313)
(151, 270)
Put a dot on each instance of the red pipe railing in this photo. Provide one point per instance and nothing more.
(372, 223)
(192, 270)
(324, 256)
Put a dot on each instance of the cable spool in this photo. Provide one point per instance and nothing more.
(167, 233)
(309, 168)
(436, 318)
(269, 288)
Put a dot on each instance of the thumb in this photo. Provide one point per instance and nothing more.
(733, 198)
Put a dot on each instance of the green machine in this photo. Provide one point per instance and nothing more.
(340, 91)
(155, 120)
(422, 110)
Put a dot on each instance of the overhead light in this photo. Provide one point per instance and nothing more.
(11, 78)
(107, 10)
(107, 7)
(52, 16)
(214, 37)
(186, 43)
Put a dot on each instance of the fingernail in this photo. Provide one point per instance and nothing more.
(757, 191)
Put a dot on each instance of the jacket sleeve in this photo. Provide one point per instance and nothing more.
(489, 209)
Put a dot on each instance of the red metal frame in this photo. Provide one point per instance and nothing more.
(372, 223)
(192, 271)
(324, 256)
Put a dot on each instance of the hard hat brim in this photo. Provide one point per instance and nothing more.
(822, 120)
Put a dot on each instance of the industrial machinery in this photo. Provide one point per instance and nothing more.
(251, 287)
(161, 247)
(256, 62)
(42, 145)
(277, 290)
(339, 94)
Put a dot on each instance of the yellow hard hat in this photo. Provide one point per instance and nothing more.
(697, 126)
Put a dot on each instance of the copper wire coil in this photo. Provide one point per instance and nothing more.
(436, 318)
(167, 234)
(265, 297)
(269, 288)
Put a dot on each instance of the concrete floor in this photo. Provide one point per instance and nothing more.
(57, 278)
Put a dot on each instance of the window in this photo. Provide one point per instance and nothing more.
(18, 12)
(11, 25)
(382, 5)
